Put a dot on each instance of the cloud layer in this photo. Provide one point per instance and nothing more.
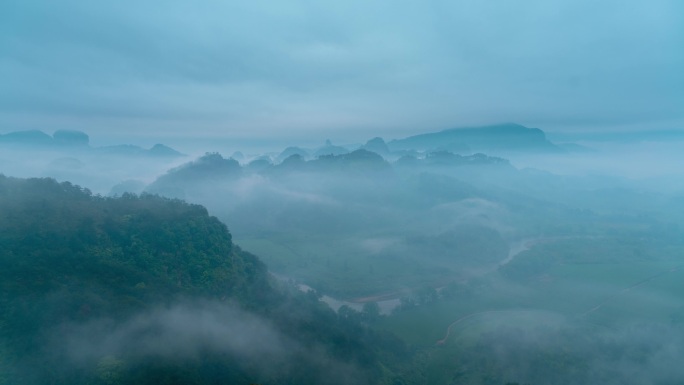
(275, 69)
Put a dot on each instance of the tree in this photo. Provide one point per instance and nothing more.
(370, 311)
(110, 370)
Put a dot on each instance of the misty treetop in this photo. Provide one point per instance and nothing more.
(134, 249)
(93, 288)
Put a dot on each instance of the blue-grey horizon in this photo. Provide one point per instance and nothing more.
(278, 69)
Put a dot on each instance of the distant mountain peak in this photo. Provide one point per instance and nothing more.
(377, 145)
(288, 152)
(497, 138)
(163, 150)
(28, 137)
(210, 166)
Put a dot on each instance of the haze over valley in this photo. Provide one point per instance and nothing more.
(294, 192)
(440, 239)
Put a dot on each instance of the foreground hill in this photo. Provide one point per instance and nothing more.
(148, 290)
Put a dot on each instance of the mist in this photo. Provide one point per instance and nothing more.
(542, 262)
(430, 235)
(69, 156)
(316, 192)
(192, 331)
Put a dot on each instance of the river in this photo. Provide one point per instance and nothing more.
(388, 305)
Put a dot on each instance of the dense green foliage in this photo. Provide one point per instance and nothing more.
(70, 260)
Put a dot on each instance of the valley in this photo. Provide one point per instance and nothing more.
(481, 271)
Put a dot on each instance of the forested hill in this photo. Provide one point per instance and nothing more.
(147, 290)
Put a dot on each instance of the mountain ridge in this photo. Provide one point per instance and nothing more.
(74, 139)
(497, 138)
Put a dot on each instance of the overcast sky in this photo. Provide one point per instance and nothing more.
(340, 69)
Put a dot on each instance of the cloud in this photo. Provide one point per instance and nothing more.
(181, 331)
(268, 68)
(187, 331)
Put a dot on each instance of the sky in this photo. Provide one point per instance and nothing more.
(346, 70)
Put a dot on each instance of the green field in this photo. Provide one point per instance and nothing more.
(555, 315)
(554, 308)
(342, 270)
(568, 290)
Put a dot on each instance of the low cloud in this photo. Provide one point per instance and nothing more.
(186, 332)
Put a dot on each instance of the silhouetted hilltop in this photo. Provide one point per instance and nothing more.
(288, 152)
(213, 168)
(210, 167)
(259, 164)
(238, 155)
(158, 150)
(69, 140)
(27, 138)
(292, 162)
(377, 145)
(41, 139)
(503, 137)
(357, 162)
(477, 168)
(358, 157)
(164, 151)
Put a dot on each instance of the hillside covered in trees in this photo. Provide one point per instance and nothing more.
(148, 290)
